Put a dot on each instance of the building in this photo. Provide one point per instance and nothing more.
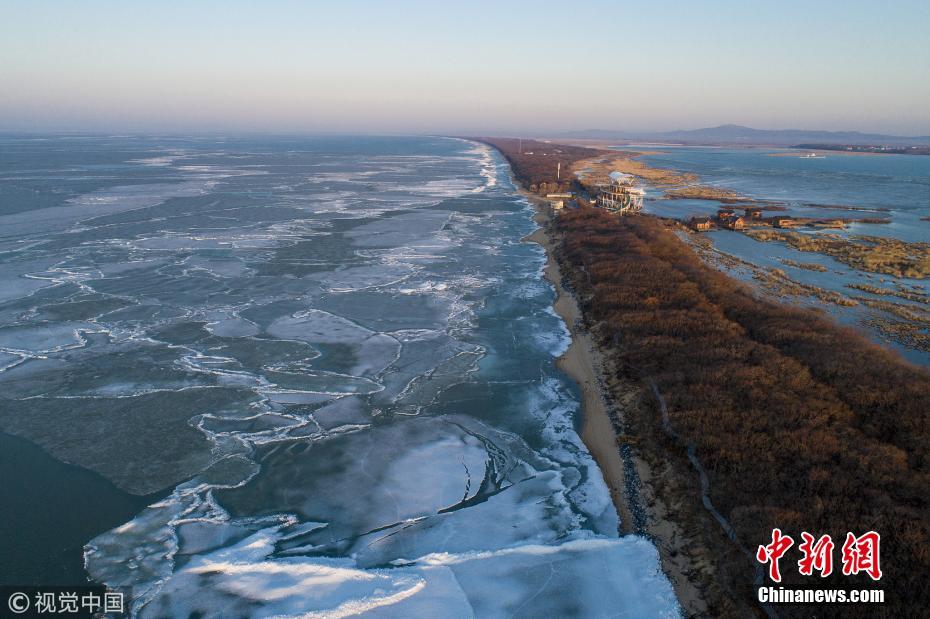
(786, 222)
(701, 224)
(557, 205)
(753, 212)
(725, 213)
(620, 195)
(735, 223)
(830, 223)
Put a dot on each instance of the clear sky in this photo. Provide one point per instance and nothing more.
(475, 66)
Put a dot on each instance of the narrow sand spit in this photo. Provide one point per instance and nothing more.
(640, 510)
(582, 363)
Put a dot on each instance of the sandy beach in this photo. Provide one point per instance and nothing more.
(641, 510)
(582, 362)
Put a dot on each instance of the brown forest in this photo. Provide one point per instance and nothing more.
(800, 424)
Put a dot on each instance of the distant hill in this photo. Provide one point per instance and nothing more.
(737, 134)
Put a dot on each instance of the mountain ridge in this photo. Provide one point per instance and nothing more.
(739, 134)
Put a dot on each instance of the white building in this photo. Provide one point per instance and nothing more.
(620, 195)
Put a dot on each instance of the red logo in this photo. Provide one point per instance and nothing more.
(817, 556)
(773, 552)
(859, 554)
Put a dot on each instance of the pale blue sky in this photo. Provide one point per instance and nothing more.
(464, 67)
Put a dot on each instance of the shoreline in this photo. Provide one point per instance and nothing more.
(682, 462)
(629, 477)
(889, 322)
(581, 361)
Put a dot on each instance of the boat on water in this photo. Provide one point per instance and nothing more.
(812, 156)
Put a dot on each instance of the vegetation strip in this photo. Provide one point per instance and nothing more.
(798, 423)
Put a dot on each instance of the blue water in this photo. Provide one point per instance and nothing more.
(895, 187)
(333, 360)
(38, 544)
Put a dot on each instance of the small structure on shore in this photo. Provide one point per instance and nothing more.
(620, 195)
(701, 224)
(727, 218)
(735, 223)
(786, 222)
(829, 223)
(753, 212)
